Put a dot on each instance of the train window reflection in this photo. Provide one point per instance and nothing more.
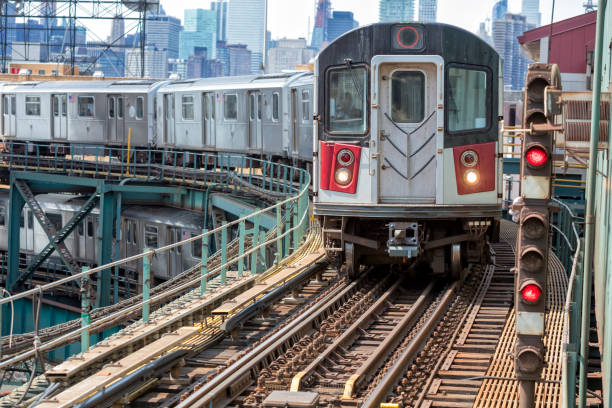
(86, 106)
(466, 98)
(2, 216)
(150, 236)
(196, 247)
(120, 108)
(32, 105)
(230, 107)
(275, 97)
(188, 110)
(305, 106)
(56, 220)
(407, 96)
(347, 104)
(139, 107)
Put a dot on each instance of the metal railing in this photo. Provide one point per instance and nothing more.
(288, 185)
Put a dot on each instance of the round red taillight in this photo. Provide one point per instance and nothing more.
(345, 157)
(469, 158)
(531, 293)
(536, 156)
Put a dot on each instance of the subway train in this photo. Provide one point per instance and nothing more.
(141, 227)
(261, 115)
(407, 149)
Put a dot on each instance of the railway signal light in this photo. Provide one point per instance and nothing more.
(533, 241)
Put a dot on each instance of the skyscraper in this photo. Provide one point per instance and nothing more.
(246, 24)
(200, 30)
(155, 66)
(319, 32)
(118, 32)
(220, 6)
(340, 23)
(500, 9)
(163, 33)
(505, 33)
(396, 10)
(428, 10)
(531, 10)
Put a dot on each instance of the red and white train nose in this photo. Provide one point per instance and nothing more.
(339, 164)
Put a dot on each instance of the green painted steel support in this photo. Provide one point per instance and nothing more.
(105, 246)
(287, 228)
(203, 269)
(254, 265)
(296, 233)
(262, 251)
(589, 235)
(146, 284)
(279, 231)
(85, 317)
(241, 232)
(16, 204)
(224, 253)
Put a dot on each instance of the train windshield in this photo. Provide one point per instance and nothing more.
(467, 99)
(347, 102)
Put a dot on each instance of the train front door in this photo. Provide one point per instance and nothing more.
(9, 114)
(169, 119)
(26, 231)
(255, 125)
(114, 118)
(407, 128)
(59, 105)
(208, 124)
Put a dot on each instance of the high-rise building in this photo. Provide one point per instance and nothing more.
(428, 10)
(155, 63)
(500, 9)
(531, 10)
(109, 61)
(199, 66)
(505, 33)
(236, 58)
(340, 23)
(246, 24)
(288, 54)
(200, 30)
(396, 10)
(163, 33)
(483, 33)
(319, 32)
(220, 6)
(118, 32)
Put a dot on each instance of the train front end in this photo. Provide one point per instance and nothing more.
(407, 149)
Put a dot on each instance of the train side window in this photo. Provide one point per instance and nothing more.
(120, 108)
(111, 108)
(139, 107)
(305, 105)
(13, 105)
(64, 105)
(134, 235)
(150, 235)
(90, 230)
(30, 220)
(6, 105)
(275, 98)
(252, 106)
(230, 106)
(259, 105)
(22, 221)
(2, 216)
(407, 96)
(80, 228)
(55, 106)
(346, 106)
(128, 232)
(86, 106)
(467, 91)
(212, 107)
(56, 220)
(32, 105)
(196, 247)
(188, 111)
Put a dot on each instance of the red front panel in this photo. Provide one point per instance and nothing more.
(329, 165)
(485, 167)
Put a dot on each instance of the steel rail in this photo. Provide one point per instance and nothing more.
(394, 374)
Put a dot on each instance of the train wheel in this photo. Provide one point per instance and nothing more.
(351, 256)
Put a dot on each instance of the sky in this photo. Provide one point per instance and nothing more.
(293, 18)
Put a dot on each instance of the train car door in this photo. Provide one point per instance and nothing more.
(255, 124)
(59, 106)
(169, 119)
(90, 238)
(208, 119)
(295, 126)
(114, 119)
(175, 258)
(26, 231)
(9, 114)
(407, 128)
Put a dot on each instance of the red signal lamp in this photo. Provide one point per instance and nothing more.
(531, 292)
(536, 156)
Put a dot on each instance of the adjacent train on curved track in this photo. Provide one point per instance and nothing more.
(405, 119)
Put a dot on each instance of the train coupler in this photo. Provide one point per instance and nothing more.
(403, 239)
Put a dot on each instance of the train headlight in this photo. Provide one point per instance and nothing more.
(471, 177)
(343, 176)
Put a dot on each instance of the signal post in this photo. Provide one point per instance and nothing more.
(541, 103)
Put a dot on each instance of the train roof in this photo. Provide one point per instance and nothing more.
(237, 82)
(124, 86)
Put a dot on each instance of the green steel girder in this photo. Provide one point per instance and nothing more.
(512, 165)
(241, 209)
